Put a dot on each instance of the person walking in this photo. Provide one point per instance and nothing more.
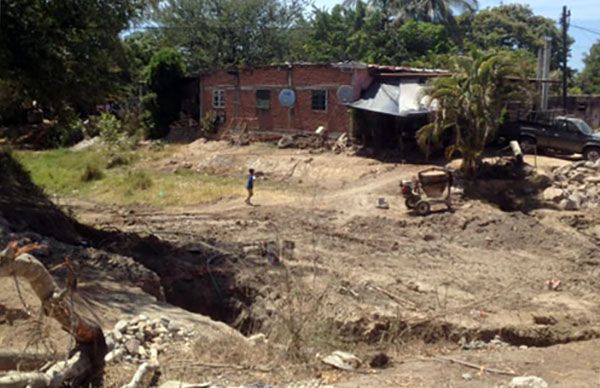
(250, 185)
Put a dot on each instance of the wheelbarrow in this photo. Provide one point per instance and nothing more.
(429, 187)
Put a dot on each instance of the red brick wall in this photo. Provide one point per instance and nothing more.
(303, 79)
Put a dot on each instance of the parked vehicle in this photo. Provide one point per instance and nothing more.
(430, 186)
(563, 134)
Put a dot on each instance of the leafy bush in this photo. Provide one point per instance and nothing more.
(68, 130)
(91, 173)
(139, 180)
(118, 160)
(109, 128)
(163, 74)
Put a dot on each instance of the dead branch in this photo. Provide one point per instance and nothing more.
(12, 359)
(475, 366)
(224, 366)
(395, 298)
(87, 359)
(143, 376)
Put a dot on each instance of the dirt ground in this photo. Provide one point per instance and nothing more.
(368, 280)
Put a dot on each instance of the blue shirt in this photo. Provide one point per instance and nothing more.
(250, 184)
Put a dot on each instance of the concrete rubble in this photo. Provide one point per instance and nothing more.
(528, 382)
(142, 339)
(575, 186)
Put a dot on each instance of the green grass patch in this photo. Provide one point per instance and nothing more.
(84, 175)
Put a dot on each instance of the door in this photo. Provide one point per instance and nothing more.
(567, 137)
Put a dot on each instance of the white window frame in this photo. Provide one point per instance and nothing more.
(218, 98)
(326, 100)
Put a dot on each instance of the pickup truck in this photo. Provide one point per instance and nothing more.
(563, 134)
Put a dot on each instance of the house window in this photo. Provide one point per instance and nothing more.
(319, 100)
(218, 101)
(263, 99)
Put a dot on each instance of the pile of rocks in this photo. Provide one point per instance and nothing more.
(142, 339)
(575, 186)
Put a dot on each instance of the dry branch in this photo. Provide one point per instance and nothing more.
(87, 359)
(475, 366)
(143, 376)
(13, 359)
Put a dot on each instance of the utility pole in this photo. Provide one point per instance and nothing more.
(544, 72)
(564, 22)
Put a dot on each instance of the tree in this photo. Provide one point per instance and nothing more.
(515, 26)
(164, 73)
(589, 79)
(65, 53)
(217, 33)
(435, 11)
(360, 33)
(471, 102)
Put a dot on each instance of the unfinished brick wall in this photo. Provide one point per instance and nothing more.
(240, 97)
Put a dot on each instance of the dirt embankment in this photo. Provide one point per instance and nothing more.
(477, 283)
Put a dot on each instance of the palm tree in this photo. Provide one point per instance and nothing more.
(472, 102)
(434, 11)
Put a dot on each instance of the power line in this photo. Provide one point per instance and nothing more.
(586, 29)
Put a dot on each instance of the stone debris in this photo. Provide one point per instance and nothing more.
(528, 382)
(180, 384)
(342, 360)
(575, 186)
(142, 339)
(467, 376)
(496, 342)
(382, 203)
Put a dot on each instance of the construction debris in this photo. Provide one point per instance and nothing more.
(575, 186)
(141, 339)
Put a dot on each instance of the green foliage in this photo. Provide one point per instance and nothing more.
(589, 79)
(515, 26)
(65, 53)
(362, 34)
(91, 173)
(216, 33)
(164, 73)
(472, 102)
(139, 180)
(109, 128)
(66, 131)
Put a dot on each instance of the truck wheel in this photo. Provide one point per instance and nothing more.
(527, 145)
(591, 153)
(423, 208)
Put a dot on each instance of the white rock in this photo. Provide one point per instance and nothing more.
(342, 360)
(118, 336)
(528, 382)
(257, 339)
(467, 376)
(121, 325)
(553, 194)
(115, 355)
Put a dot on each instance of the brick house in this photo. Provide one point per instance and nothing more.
(301, 97)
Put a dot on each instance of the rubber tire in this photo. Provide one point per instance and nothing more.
(423, 208)
(412, 202)
(587, 151)
(527, 145)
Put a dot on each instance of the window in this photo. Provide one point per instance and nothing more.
(263, 99)
(319, 100)
(218, 101)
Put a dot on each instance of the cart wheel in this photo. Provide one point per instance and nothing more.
(411, 202)
(423, 208)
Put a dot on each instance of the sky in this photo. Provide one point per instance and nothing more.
(584, 13)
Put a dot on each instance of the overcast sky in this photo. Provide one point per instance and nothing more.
(584, 13)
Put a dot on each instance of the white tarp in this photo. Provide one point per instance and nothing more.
(399, 97)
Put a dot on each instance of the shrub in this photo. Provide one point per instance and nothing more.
(140, 180)
(91, 173)
(163, 74)
(118, 160)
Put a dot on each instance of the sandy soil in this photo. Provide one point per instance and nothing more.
(367, 280)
